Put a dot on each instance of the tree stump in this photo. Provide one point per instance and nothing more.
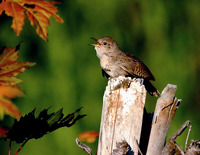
(126, 127)
(122, 113)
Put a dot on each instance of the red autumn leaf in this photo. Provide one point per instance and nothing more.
(10, 68)
(6, 105)
(3, 131)
(89, 136)
(38, 12)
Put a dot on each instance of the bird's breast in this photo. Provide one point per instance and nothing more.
(99, 52)
(105, 62)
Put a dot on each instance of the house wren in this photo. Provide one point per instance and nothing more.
(114, 62)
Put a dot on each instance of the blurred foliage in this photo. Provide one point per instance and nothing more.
(164, 34)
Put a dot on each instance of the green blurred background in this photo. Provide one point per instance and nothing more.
(164, 34)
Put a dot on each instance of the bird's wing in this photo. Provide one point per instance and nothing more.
(135, 67)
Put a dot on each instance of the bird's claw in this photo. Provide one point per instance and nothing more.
(141, 81)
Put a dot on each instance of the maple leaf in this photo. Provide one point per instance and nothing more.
(89, 136)
(29, 126)
(6, 105)
(38, 12)
(9, 67)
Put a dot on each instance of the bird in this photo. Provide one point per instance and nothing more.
(115, 62)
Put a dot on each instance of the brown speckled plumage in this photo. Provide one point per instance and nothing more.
(114, 62)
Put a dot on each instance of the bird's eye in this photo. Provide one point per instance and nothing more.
(105, 43)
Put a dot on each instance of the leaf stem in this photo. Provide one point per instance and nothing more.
(21, 146)
(9, 149)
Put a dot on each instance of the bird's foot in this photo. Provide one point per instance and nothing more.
(156, 93)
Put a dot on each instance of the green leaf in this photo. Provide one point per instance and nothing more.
(55, 117)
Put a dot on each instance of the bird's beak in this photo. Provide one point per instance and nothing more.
(98, 44)
(94, 39)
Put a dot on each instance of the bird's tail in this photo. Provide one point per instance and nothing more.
(151, 89)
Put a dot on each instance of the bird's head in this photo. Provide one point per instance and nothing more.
(105, 45)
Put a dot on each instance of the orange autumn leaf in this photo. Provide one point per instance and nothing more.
(10, 91)
(89, 136)
(6, 105)
(10, 67)
(38, 12)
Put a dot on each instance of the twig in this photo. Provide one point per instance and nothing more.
(85, 148)
(171, 147)
(179, 131)
(9, 150)
(21, 146)
(193, 148)
(179, 151)
(187, 136)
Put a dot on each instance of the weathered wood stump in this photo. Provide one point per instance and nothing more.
(122, 114)
(126, 127)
